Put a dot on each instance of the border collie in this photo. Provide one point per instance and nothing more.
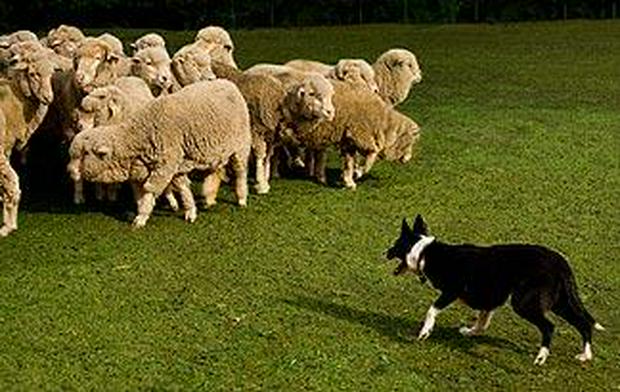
(536, 278)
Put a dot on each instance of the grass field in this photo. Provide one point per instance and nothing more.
(521, 142)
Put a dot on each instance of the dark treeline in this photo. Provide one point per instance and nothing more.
(192, 14)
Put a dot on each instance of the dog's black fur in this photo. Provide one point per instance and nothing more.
(538, 279)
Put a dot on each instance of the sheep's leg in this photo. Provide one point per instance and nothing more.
(320, 166)
(171, 199)
(99, 191)
(260, 155)
(111, 191)
(9, 185)
(210, 187)
(268, 162)
(78, 191)
(310, 163)
(370, 160)
(239, 162)
(146, 203)
(182, 185)
(348, 169)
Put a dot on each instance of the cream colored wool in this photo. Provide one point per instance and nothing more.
(202, 127)
(217, 43)
(150, 40)
(154, 66)
(192, 64)
(24, 100)
(396, 71)
(64, 40)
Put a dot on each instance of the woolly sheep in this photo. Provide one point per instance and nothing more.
(191, 64)
(97, 63)
(354, 71)
(217, 42)
(153, 65)
(115, 44)
(64, 40)
(109, 105)
(17, 36)
(202, 127)
(150, 40)
(396, 71)
(24, 99)
(25, 50)
(274, 107)
(363, 124)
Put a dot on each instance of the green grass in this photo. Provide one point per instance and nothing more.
(520, 142)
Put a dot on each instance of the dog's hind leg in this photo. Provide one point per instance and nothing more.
(576, 315)
(529, 306)
(482, 324)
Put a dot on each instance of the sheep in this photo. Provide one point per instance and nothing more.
(98, 63)
(354, 71)
(115, 44)
(217, 42)
(26, 49)
(64, 40)
(191, 64)
(149, 40)
(202, 127)
(364, 124)
(274, 107)
(24, 99)
(395, 72)
(154, 66)
(17, 36)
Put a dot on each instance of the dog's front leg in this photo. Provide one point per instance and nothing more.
(429, 322)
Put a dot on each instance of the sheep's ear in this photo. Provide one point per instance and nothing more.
(419, 226)
(112, 57)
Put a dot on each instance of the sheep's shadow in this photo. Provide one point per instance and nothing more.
(401, 328)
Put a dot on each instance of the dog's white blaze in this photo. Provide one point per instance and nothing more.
(542, 356)
(413, 257)
(429, 322)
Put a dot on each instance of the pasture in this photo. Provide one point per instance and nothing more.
(521, 142)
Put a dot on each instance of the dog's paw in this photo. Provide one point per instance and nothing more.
(541, 358)
(466, 331)
(424, 334)
(586, 355)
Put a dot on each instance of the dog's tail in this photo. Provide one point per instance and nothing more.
(575, 302)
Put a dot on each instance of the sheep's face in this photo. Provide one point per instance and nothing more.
(93, 158)
(397, 70)
(153, 66)
(101, 107)
(399, 146)
(217, 42)
(314, 96)
(64, 40)
(191, 64)
(93, 63)
(151, 40)
(357, 72)
(35, 78)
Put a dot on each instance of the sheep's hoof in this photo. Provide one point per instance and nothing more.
(352, 186)
(6, 230)
(139, 221)
(78, 200)
(466, 331)
(322, 180)
(243, 203)
(262, 189)
(191, 215)
(357, 174)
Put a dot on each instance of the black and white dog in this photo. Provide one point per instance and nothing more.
(538, 279)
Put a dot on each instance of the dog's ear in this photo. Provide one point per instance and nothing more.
(404, 228)
(419, 226)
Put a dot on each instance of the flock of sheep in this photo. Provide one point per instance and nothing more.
(151, 120)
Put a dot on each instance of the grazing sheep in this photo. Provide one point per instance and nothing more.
(24, 99)
(150, 40)
(274, 107)
(217, 42)
(354, 71)
(153, 65)
(363, 124)
(202, 127)
(192, 64)
(64, 40)
(395, 72)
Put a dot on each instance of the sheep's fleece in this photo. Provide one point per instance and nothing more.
(202, 127)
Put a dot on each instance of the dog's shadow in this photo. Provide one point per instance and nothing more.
(401, 328)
